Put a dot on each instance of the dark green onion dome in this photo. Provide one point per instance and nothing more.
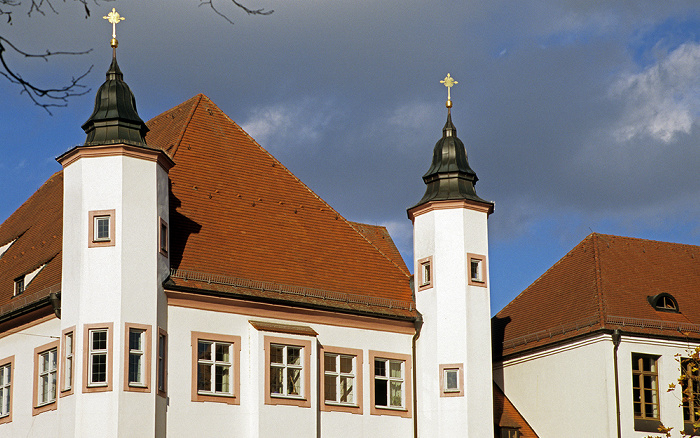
(115, 119)
(449, 176)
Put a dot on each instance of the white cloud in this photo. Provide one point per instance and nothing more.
(663, 100)
(300, 122)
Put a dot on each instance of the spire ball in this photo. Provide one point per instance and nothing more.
(114, 18)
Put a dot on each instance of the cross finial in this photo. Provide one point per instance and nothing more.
(114, 18)
(449, 83)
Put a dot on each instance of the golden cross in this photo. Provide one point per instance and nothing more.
(114, 18)
(449, 83)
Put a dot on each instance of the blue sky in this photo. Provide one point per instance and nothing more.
(577, 116)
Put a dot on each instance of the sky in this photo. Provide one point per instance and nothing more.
(577, 116)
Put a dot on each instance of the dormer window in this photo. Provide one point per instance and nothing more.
(19, 285)
(101, 228)
(664, 302)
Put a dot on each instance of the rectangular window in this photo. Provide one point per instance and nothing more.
(163, 237)
(67, 361)
(645, 389)
(6, 369)
(451, 380)
(19, 285)
(97, 365)
(690, 380)
(45, 377)
(288, 362)
(216, 367)
(342, 379)
(101, 224)
(425, 273)
(391, 390)
(137, 367)
(162, 362)
(477, 269)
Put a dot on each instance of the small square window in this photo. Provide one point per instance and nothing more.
(101, 228)
(451, 380)
(425, 273)
(477, 270)
(163, 237)
(19, 285)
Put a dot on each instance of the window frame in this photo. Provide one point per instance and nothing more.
(643, 422)
(162, 364)
(481, 259)
(421, 266)
(690, 385)
(93, 216)
(88, 385)
(235, 341)
(276, 399)
(163, 237)
(145, 353)
(19, 286)
(444, 391)
(64, 368)
(8, 362)
(329, 406)
(42, 406)
(406, 410)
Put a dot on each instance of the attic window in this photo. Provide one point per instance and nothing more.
(664, 302)
(510, 432)
(6, 246)
(19, 285)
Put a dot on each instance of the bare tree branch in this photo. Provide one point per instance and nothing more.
(43, 97)
(248, 11)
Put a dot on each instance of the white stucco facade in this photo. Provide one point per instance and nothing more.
(570, 389)
(456, 330)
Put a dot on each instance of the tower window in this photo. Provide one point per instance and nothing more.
(477, 269)
(101, 228)
(425, 273)
(452, 380)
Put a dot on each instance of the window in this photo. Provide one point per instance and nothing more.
(97, 365)
(425, 273)
(342, 379)
(162, 362)
(163, 237)
(391, 376)
(477, 269)
(452, 380)
(67, 361)
(690, 381)
(19, 285)
(510, 432)
(45, 377)
(288, 362)
(101, 225)
(6, 369)
(137, 369)
(216, 367)
(645, 388)
(664, 302)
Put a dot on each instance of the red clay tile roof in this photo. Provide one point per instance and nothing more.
(378, 236)
(506, 415)
(603, 284)
(36, 230)
(236, 211)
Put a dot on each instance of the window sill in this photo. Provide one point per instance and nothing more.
(387, 410)
(51, 406)
(228, 399)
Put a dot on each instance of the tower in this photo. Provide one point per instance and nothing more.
(450, 249)
(115, 258)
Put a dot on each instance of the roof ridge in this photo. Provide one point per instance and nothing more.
(598, 278)
(640, 239)
(561, 259)
(186, 124)
(339, 216)
(407, 274)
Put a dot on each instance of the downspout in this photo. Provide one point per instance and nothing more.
(418, 323)
(616, 338)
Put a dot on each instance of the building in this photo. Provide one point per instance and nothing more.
(175, 279)
(590, 348)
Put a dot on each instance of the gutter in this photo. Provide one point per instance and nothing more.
(616, 339)
(418, 323)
